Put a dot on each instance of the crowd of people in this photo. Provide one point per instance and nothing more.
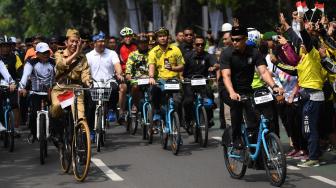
(296, 60)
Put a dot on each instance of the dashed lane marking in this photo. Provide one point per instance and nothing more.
(107, 171)
(325, 180)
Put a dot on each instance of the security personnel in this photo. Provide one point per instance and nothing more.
(71, 69)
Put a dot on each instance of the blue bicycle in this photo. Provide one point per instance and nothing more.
(170, 128)
(8, 134)
(268, 144)
(201, 105)
(145, 115)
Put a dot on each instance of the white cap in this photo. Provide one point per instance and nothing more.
(13, 39)
(226, 27)
(42, 47)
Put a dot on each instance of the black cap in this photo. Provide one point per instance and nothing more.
(239, 31)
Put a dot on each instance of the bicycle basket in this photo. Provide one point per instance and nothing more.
(100, 94)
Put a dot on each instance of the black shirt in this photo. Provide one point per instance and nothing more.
(197, 64)
(242, 67)
(185, 48)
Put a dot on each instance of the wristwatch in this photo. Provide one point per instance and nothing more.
(274, 86)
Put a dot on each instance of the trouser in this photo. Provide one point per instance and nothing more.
(188, 102)
(91, 105)
(223, 99)
(56, 111)
(291, 115)
(35, 105)
(270, 113)
(310, 117)
(159, 98)
(236, 111)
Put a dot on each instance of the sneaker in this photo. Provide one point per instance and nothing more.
(309, 163)
(298, 155)
(291, 153)
(31, 138)
(2, 128)
(156, 117)
(304, 158)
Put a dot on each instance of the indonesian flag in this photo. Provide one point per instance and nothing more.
(301, 6)
(66, 99)
(319, 6)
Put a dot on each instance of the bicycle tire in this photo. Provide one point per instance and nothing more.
(10, 124)
(203, 127)
(98, 129)
(81, 151)
(42, 139)
(175, 137)
(134, 124)
(163, 136)
(150, 125)
(65, 147)
(275, 148)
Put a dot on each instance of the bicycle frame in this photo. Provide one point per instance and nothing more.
(263, 130)
(146, 103)
(198, 105)
(99, 106)
(39, 114)
(169, 111)
(8, 109)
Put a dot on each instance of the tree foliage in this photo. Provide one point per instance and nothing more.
(51, 17)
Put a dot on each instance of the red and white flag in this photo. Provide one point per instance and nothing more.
(301, 6)
(319, 6)
(66, 99)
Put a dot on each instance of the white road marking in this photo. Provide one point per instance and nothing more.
(109, 173)
(217, 138)
(290, 167)
(325, 180)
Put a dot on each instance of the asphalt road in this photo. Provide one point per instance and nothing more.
(129, 162)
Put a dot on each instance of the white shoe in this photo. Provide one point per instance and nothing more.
(2, 128)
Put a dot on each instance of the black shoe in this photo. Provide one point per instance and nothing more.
(211, 123)
(188, 128)
(237, 144)
(31, 138)
(56, 141)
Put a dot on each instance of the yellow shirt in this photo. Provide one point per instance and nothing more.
(310, 71)
(156, 56)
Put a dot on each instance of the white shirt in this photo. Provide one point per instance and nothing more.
(6, 77)
(41, 75)
(102, 65)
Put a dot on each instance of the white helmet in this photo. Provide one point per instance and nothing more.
(226, 27)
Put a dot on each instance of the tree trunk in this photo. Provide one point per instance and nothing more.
(172, 16)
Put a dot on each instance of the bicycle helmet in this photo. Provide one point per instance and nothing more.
(126, 31)
(162, 31)
(5, 40)
(254, 37)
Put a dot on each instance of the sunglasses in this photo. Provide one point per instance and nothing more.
(188, 34)
(236, 39)
(200, 44)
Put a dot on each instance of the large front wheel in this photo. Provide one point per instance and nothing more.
(203, 127)
(175, 136)
(43, 139)
(81, 151)
(9, 134)
(275, 165)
